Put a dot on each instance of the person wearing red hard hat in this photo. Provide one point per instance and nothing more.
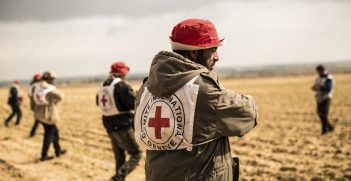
(31, 87)
(184, 116)
(119, 68)
(194, 34)
(116, 101)
(14, 101)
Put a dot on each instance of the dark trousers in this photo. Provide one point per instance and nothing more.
(123, 141)
(323, 110)
(50, 135)
(34, 128)
(16, 110)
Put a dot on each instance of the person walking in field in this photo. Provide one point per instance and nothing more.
(35, 80)
(323, 87)
(116, 99)
(14, 101)
(46, 96)
(184, 115)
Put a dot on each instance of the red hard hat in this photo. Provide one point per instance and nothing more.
(119, 68)
(194, 34)
(37, 76)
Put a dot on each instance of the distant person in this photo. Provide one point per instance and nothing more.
(323, 87)
(116, 100)
(46, 97)
(184, 116)
(31, 87)
(14, 100)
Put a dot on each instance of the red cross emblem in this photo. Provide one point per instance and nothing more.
(103, 100)
(158, 122)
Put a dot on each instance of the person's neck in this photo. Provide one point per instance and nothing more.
(117, 76)
(324, 74)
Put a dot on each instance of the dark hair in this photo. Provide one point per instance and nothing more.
(46, 78)
(145, 79)
(182, 53)
(320, 68)
(198, 59)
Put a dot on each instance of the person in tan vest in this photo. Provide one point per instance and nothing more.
(46, 97)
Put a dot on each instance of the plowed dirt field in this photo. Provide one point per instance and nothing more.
(286, 145)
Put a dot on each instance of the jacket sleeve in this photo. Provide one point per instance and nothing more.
(237, 114)
(55, 96)
(327, 86)
(13, 98)
(124, 96)
(14, 93)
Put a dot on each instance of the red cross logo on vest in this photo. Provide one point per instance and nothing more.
(103, 100)
(38, 96)
(158, 123)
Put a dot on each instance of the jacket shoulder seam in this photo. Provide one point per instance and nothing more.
(204, 75)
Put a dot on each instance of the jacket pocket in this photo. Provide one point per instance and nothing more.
(217, 175)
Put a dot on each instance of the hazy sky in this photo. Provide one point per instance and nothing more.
(83, 37)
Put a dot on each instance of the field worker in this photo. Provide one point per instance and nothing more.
(116, 99)
(35, 80)
(46, 97)
(184, 116)
(323, 87)
(14, 101)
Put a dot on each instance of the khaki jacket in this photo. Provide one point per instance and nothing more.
(219, 113)
(48, 114)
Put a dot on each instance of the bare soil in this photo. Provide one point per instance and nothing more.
(286, 145)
